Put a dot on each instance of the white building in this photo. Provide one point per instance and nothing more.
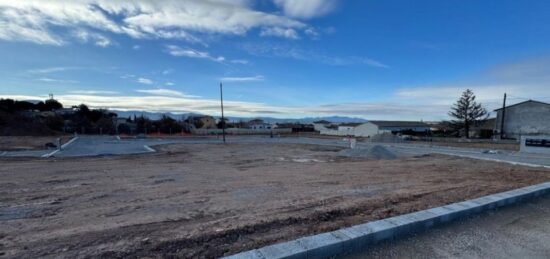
(258, 124)
(371, 128)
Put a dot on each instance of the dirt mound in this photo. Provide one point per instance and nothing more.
(375, 152)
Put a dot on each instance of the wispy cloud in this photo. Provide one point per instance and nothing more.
(240, 61)
(165, 92)
(93, 92)
(145, 81)
(243, 79)
(266, 49)
(126, 76)
(165, 100)
(169, 84)
(191, 53)
(97, 38)
(46, 22)
(306, 8)
(280, 32)
(49, 70)
(54, 80)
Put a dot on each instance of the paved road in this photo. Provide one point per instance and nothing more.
(109, 145)
(521, 231)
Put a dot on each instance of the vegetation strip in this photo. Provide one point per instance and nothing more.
(357, 238)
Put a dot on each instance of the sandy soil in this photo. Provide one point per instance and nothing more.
(13, 143)
(211, 200)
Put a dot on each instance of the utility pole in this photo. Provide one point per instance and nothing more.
(502, 117)
(223, 118)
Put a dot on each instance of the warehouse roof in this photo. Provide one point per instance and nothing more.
(529, 101)
(350, 124)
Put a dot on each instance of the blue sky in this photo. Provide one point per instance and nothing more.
(282, 58)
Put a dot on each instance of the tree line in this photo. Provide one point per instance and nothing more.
(49, 117)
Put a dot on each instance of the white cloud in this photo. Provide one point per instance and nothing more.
(312, 33)
(98, 39)
(145, 81)
(167, 71)
(240, 61)
(280, 32)
(242, 79)
(49, 70)
(136, 47)
(93, 92)
(164, 92)
(42, 22)
(165, 100)
(489, 95)
(21, 32)
(169, 84)
(290, 51)
(306, 8)
(54, 80)
(191, 53)
(126, 76)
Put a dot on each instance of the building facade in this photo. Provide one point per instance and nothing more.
(525, 118)
(371, 128)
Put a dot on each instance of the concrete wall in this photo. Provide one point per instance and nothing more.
(367, 130)
(415, 129)
(530, 118)
(364, 130)
(334, 132)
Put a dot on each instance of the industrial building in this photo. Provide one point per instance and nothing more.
(525, 118)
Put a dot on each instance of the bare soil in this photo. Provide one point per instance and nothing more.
(205, 201)
(14, 143)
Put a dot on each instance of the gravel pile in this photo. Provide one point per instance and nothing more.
(374, 152)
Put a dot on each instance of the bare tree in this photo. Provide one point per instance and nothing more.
(467, 111)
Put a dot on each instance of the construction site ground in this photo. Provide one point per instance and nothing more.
(210, 199)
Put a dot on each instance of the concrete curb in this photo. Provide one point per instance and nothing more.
(500, 161)
(357, 238)
(62, 147)
(149, 149)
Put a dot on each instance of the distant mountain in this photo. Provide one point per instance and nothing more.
(178, 116)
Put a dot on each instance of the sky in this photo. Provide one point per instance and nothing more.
(384, 60)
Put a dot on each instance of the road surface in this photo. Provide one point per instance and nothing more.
(520, 231)
(110, 145)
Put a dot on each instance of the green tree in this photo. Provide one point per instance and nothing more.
(467, 111)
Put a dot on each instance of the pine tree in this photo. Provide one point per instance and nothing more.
(467, 111)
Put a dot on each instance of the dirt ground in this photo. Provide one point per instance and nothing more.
(205, 201)
(13, 143)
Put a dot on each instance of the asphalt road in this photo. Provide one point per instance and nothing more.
(520, 231)
(110, 145)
